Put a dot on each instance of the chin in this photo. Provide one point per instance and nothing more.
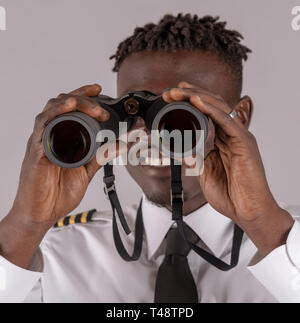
(159, 198)
(155, 182)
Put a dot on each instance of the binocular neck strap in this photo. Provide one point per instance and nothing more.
(110, 191)
(177, 205)
(177, 210)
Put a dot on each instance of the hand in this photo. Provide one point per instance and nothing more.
(233, 180)
(47, 192)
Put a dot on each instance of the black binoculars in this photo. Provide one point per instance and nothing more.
(70, 140)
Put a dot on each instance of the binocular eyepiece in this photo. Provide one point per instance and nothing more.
(70, 140)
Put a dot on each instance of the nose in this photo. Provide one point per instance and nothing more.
(140, 124)
(141, 130)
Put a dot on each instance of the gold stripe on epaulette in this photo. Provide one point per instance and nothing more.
(60, 223)
(83, 218)
(76, 218)
(72, 219)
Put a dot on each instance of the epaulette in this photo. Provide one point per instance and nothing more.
(84, 217)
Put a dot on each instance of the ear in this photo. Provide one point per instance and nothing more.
(244, 109)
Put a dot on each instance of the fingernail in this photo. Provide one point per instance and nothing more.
(99, 88)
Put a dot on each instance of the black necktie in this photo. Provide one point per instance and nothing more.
(174, 282)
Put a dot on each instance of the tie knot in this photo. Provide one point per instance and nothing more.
(176, 245)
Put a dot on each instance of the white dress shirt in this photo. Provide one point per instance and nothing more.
(79, 263)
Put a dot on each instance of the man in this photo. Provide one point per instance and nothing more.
(79, 262)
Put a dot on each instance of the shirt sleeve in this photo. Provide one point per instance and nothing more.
(279, 272)
(16, 283)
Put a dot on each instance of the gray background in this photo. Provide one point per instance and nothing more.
(54, 46)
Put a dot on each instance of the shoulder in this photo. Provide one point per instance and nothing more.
(81, 218)
(89, 221)
(70, 229)
(89, 230)
(83, 221)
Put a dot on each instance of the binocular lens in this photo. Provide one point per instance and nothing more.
(180, 120)
(69, 141)
(179, 126)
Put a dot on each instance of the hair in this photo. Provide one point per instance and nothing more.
(187, 32)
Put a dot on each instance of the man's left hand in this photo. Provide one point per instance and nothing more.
(233, 180)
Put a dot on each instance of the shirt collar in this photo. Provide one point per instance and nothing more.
(213, 228)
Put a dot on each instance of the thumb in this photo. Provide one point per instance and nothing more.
(213, 169)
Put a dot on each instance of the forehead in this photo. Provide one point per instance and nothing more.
(157, 70)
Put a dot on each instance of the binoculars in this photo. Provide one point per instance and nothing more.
(70, 140)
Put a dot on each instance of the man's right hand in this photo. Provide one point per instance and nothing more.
(47, 192)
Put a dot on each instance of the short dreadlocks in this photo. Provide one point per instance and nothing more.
(187, 32)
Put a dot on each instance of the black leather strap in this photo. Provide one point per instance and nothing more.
(177, 208)
(177, 204)
(110, 190)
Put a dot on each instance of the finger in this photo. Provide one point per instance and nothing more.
(180, 94)
(222, 135)
(222, 146)
(177, 94)
(222, 106)
(64, 104)
(166, 97)
(193, 88)
(186, 85)
(214, 172)
(88, 90)
(88, 106)
(208, 98)
(219, 116)
(58, 107)
(237, 119)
